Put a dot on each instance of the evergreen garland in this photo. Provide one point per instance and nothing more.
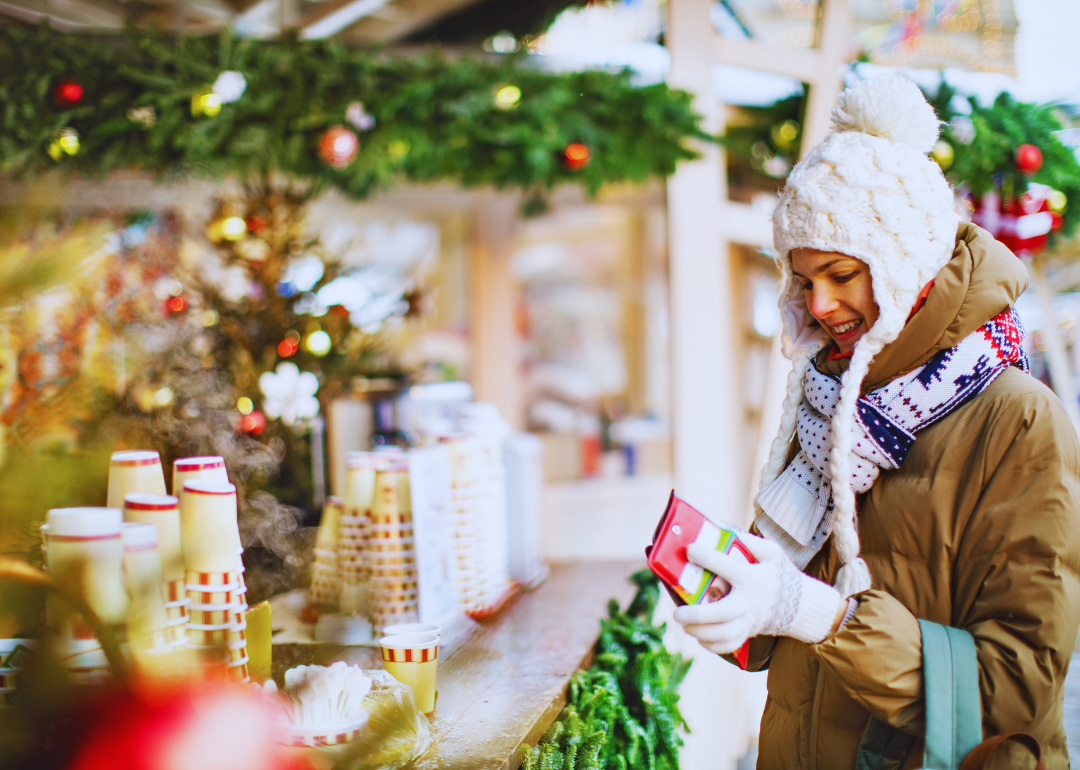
(623, 712)
(436, 118)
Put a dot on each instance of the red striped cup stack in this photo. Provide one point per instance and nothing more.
(131, 472)
(164, 513)
(86, 556)
(390, 549)
(467, 567)
(360, 471)
(325, 589)
(214, 579)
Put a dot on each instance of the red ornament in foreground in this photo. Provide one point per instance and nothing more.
(253, 423)
(576, 156)
(67, 94)
(1029, 158)
(338, 147)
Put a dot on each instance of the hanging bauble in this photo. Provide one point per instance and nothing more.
(229, 86)
(576, 156)
(1028, 158)
(338, 147)
(67, 94)
(253, 423)
(1057, 201)
(65, 143)
(507, 97)
(943, 154)
(255, 223)
(175, 304)
(205, 103)
(358, 118)
(784, 134)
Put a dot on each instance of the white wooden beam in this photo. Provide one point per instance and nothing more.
(745, 224)
(825, 81)
(799, 63)
(340, 18)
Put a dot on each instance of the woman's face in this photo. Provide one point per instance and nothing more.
(838, 293)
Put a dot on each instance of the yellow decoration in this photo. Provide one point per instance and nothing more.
(398, 149)
(507, 97)
(784, 135)
(1057, 201)
(208, 104)
(943, 154)
(209, 318)
(318, 343)
(163, 396)
(66, 143)
(244, 405)
(233, 228)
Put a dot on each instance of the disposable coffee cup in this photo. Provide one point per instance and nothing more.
(134, 472)
(412, 659)
(209, 527)
(86, 557)
(406, 629)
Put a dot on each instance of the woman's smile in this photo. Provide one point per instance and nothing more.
(839, 294)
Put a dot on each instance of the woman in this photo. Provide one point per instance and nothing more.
(910, 390)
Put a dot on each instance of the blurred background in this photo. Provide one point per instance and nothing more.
(156, 292)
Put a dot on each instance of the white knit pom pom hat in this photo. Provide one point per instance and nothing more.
(869, 191)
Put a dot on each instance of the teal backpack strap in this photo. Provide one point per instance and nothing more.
(951, 685)
(953, 707)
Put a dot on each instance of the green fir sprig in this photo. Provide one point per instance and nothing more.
(436, 117)
(623, 711)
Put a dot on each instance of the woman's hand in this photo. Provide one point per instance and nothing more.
(771, 597)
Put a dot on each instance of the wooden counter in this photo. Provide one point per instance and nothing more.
(503, 682)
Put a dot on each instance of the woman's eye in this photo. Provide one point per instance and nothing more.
(807, 286)
(846, 277)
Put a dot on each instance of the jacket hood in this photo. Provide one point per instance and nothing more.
(982, 279)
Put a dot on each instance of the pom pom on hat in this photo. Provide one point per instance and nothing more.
(891, 107)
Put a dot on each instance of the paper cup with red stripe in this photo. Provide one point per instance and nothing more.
(209, 527)
(164, 513)
(202, 635)
(134, 472)
(86, 557)
(315, 737)
(412, 659)
(190, 468)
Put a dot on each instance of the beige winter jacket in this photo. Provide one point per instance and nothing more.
(978, 529)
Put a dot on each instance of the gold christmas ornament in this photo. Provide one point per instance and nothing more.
(206, 104)
(1057, 201)
(943, 154)
(507, 97)
(65, 143)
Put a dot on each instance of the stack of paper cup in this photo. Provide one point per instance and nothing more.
(148, 621)
(492, 502)
(211, 468)
(86, 556)
(214, 579)
(325, 589)
(467, 567)
(163, 512)
(130, 472)
(359, 489)
(390, 550)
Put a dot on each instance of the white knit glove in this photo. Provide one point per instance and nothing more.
(771, 598)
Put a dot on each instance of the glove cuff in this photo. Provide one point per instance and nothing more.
(819, 604)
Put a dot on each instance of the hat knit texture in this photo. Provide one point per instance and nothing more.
(869, 191)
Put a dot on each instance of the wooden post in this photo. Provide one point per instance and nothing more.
(495, 369)
(704, 392)
(1057, 359)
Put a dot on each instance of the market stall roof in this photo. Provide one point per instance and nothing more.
(358, 21)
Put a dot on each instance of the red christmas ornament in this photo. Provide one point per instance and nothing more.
(287, 347)
(67, 94)
(576, 156)
(1029, 158)
(175, 304)
(338, 147)
(253, 423)
(255, 223)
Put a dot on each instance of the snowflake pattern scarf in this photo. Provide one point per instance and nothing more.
(798, 508)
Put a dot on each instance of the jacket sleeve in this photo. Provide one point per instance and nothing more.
(1013, 585)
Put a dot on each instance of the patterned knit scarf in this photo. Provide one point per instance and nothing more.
(798, 507)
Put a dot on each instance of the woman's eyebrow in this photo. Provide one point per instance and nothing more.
(820, 268)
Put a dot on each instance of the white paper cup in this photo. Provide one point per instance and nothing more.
(209, 526)
(404, 629)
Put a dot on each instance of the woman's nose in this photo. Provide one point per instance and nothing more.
(822, 302)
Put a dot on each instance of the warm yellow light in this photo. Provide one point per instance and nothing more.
(233, 228)
(209, 317)
(163, 396)
(245, 405)
(398, 148)
(211, 104)
(318, 343)
(507, 97)
(69, 143)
